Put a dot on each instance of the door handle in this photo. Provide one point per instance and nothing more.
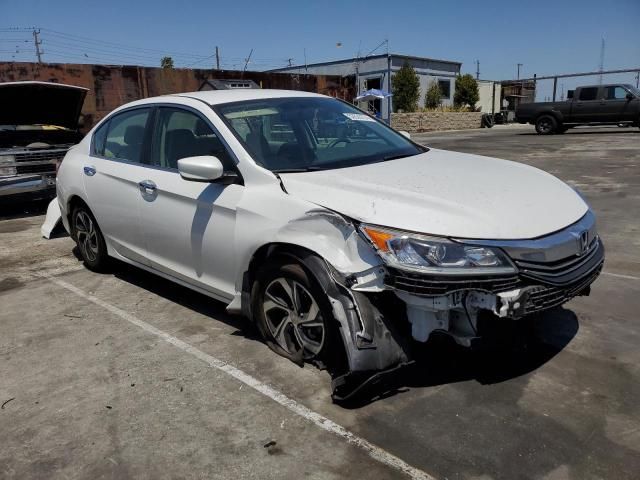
(147, 186)
(89, 171)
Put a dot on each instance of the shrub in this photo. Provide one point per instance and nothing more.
(466, 91)
(433, 97)
(406, 89)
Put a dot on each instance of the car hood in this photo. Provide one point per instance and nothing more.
(447, 194)
(41, 103)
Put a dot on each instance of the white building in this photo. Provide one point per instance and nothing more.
(374, 71)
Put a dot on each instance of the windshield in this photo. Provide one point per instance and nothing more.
(303, 134)
(633, 90)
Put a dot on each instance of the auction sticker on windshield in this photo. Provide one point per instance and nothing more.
(358, 117)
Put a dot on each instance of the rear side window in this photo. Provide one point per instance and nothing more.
(125, 135)
(99, 137)
(590, 93)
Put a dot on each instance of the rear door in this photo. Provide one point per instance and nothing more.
(616, 106)
(587, 105)
(189, 226)
(111, 176)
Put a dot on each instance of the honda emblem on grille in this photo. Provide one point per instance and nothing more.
(583, 242)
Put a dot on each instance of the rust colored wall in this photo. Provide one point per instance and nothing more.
(112, 85)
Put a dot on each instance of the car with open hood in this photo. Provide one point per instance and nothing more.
(39, 122)
(348, 244)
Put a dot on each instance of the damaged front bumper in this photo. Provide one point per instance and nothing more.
(397, 309)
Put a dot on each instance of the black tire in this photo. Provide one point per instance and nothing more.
(89, 239)
(487, 121)
(291, 343)
(546, 124)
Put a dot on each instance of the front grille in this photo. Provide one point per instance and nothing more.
(564, 271)
(544, 297)
(37, 161)
(418, 284)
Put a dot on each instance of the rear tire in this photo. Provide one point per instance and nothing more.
(546, 125)
(89, 239)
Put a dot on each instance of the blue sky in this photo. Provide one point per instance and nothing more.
(545, 36)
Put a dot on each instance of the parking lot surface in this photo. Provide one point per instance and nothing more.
(125, 375)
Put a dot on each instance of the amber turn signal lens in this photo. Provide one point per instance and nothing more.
(378, 238)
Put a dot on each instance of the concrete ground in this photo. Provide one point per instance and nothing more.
(125, 375)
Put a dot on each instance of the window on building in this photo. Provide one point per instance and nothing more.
(445, 88)
(589, 93)
(616, 93)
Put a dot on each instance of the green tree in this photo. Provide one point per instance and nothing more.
(166, 62)
(433, 97)
(406, 89)
(466, 91)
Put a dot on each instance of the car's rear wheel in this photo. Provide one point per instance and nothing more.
(89, 239)
(294, 314)
(546, 125)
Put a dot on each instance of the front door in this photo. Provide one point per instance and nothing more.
(616, 107)
(189, 226)
(111, 175)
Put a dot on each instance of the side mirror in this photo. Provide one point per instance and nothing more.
(630, 96)
(205, 168)
(405, 133)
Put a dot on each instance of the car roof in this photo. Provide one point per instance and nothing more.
(215, 97)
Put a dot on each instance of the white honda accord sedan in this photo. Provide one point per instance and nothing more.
(344, 241)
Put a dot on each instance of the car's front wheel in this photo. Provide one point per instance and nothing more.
(293, 313)
(88, 236)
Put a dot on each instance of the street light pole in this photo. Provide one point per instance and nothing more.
(519, 65)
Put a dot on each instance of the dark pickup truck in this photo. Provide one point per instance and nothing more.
(592, 105)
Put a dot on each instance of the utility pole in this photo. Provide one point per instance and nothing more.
(37, 42)
(601, 59)
(637, 79)
(217, 59)
(247, 60)
(477, 69)
(519, 65)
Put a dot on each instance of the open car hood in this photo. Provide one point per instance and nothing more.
(41, 103)
(447, 194)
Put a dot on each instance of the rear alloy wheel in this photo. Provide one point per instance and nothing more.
(88, 236)
(546, 125)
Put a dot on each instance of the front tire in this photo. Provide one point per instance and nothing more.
(294, 314)
(89, 239)
(546, 124)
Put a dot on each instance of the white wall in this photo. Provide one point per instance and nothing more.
(485, 89)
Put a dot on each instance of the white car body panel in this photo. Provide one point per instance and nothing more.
(447, 194)
(52, 219)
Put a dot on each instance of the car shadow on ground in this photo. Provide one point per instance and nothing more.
(13, 209)
(183, 296)
(626, 130)
(510, 349)
(516, 348)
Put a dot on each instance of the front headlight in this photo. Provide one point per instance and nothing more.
(439, 255)
(5, 161)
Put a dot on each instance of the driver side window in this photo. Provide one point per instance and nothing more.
(180, 134)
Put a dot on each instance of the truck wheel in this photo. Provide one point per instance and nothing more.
(546, 125)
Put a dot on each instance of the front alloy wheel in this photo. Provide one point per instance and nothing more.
(293, 318)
